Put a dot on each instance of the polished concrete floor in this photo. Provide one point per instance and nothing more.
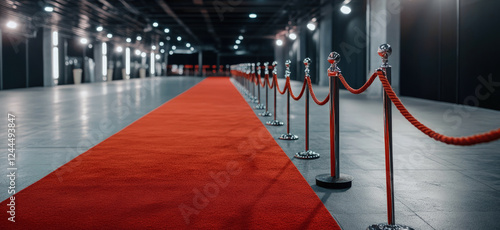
(437, 186)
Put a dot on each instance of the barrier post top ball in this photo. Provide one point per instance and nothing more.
(333, 59)
(275, 71)
(266, 70)
(287, 66)
(307, 62)
(384, 51)
(253, 68)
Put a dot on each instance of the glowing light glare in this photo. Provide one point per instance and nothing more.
(237, 41)
(129, 40)
(137, 52)
(168, 38)
(279, 42)
(252, 15)
(345, 9)
(188, 45)
(109, 35)
(179, 38)
(143, 54)
(138, 38)
(48, 9)
(161, 43)
(153, 47)
(292, 36)
(99, 28)
(84, 41)
(311, 26)
(55, 63)
(192, 48)
(170, 52)
(162, 51)
(127, 61)
(166, 30)
(155, 24)
(119, 49)
(240, 37)
(55, 38)
(235, 47)
(11, 24)
(174, 47)
(104, 48)
(157, 56)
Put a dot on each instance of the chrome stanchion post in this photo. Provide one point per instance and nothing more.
(259, 105)
(275, 122)
(252, 69)
(307, 154)
(266, 74)
(288, 135)
(334, 179)
(385, 51)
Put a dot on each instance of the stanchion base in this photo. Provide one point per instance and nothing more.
(260, 106)
(307, 155)
(265, 114)
(289, 136)
(385, 226)
(274, 123)
(255, 100)
(327, 181)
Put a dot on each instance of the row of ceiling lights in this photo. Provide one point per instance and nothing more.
(312, 25)
(240, 38)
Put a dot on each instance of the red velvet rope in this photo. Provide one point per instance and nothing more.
(314, 96)
(301, 91)
(269, 84)
(360, 90)
(260, 82)
(468, 140)
(278, 87)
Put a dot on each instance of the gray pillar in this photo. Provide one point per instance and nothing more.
(1, 62)
(98, 62)
(200, 62)
(383, 26)
(48, 79)
(325, 41)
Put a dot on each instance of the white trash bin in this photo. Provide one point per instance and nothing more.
(77, 76)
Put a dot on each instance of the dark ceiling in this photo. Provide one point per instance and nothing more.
(206, 24)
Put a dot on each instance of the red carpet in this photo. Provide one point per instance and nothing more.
(201, 161)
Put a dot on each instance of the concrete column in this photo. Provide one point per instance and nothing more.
(1, 62)
(98, 62)
(325, 41)
(48, 79)
(383, 26)
(200, 62)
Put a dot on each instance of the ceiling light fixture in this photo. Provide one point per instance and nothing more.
(179, 38)
(235, 47)
(188, 45)
(161, 43)
(143, 54)
(155, 24)
(11, 24)
(292, 36)
(345, 9)
(153, 47)
(99, 28)
(137, 52)
(157, 56)
(240, 37)
(311, 26)
(173, 47)
(162, 51)
(279, 42)
(166, 30)
(109, 35)
(238, 42)
(129, 40)
(48, 9)
(168, 38)
(192, 48)
(170, 52)
(252, 15)
(84, 41)
(119, 49)
(138, 38)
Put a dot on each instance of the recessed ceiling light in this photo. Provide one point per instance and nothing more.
(137, 52)
(138, 38)
(143, 54)
(129, 40)
(311, 26)
(153, 47)
(170, 52)
(99, 28)
(84, 40)
(252, 15)
(179, 38)
(192, 48)
(292, 36)
(48, 9)
(161, 43)
(11, 24)
(157, 56)
(279, 42)
(168, 38)
(345, 9)
(173, 47)
(188, 45)
(119, 49)
(162, 51)
(240, 37)
(166, 30)
(155, 24)
(238, 42)
(235, 47)
(109, 35)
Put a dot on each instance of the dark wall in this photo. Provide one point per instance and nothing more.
(35, 60)
(348, 33)
(449, 54)
(14, 60)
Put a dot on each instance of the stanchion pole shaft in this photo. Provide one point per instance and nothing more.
(388, 150)
(288, 111)
(334, 127)
(275, 85)
(258, 88)
(267, 89)
(307, 117)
